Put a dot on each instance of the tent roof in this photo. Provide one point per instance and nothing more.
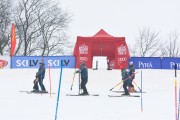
(102, 33)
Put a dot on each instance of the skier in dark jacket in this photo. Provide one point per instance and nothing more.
(39, 78)
(132, 76)
(126, 80)
(84, 78)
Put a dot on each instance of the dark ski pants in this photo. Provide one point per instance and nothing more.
(40, 81)
(41, 84)
(130, 84)
(125, 85)
(83, 86)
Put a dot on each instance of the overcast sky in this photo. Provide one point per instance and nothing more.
(122, 18)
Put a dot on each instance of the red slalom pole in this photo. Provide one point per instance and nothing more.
(50, 81)
(175, 89)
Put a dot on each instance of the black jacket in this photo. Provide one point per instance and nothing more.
(84, 72)
(124, 74)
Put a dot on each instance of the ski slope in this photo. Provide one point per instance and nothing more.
(158, 102)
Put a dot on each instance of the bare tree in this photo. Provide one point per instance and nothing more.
(171, 48)
(5, 23)
(53, 23)
(147, 44)
(40, 26)
(26, 25)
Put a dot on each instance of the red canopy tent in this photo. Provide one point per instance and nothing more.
(102, 44)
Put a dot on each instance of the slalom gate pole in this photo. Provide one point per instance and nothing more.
(179, 92)
(59, 90)
(175, 90)
(124, 80)
(141, 94)
(50, 82)
(179, 102)
(137, 85)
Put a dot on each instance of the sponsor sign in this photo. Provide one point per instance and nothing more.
(51, 61)
(168, 63)
(83, 49)
(4, 62)
(122, 50)
(146, 62)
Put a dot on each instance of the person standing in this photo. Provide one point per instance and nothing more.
(132, 76)
(108, 64)
(84, 78)
(39, 78)
(126, 80)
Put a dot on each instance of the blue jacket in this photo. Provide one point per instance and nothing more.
(132, 71)
(41, 72)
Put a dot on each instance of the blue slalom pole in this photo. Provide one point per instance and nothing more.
(141, 94)
(57, 104)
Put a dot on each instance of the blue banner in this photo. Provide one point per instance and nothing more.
(168, 63)
(50, 61)
(146, 62)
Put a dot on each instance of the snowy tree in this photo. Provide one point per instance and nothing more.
(147, 44)
(40, 27)
(5, 23)
(171, 46)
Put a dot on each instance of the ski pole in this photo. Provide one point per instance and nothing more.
(116, 85)
(73, 78)
(124, 80)
(137, 85)
(120, 87)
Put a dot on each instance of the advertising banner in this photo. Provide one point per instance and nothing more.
(5, 62)
(121, 55)
(168, 63)
(84, 54)
(50, 61)
(146, 62)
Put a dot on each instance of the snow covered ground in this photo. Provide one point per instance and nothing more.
(158, 101)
